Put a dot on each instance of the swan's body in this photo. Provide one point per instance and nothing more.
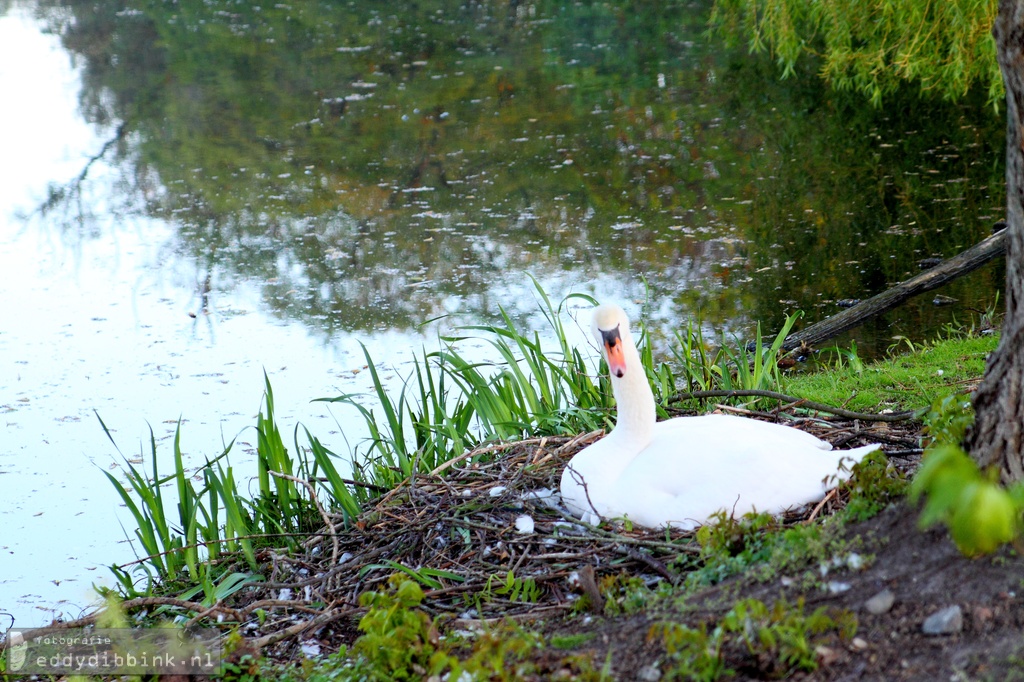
(681, 471)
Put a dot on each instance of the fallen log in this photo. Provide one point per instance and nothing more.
(957, 266)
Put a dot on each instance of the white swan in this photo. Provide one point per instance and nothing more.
(681, 471)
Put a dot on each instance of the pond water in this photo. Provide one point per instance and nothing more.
(195, 192)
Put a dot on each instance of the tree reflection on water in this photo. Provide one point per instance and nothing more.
(367, 162)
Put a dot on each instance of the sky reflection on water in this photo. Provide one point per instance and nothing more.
(101, 325)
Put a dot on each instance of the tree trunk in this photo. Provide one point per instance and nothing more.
(997, 437)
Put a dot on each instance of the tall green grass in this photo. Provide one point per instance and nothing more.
(182, 538)
(449, 403)
(729, 365)
(528, 390)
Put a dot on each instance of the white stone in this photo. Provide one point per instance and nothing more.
(881, 602)
(947, 621)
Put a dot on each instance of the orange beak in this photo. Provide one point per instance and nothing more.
(613, 352)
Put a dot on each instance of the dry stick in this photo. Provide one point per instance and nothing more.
(455, 460)
(534, 613)
(588, 583)
(650, 562)
(596, 534)
(967, 261)
(297, 629)
(809, 404)
(244, 612)
(127, 604)
(275, 603)
(789, 406)
(540, 449)
(740, 410)
(577, 478)
(199, 616)
(319, 508)
(820, 506)
(563, 556)
(582, 438)
(483, 451)
(349, 481)
(522, 557)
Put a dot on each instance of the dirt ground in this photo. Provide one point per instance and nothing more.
(924, 571)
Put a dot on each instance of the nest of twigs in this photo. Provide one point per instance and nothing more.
(455, 532)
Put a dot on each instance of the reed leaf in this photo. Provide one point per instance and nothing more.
(341, 493)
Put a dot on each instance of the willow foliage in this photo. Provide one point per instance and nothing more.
(874, 46)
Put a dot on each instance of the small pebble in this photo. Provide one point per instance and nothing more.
(859, 644)
(881, 602)
(649, 673)
(826, 655)
(947, 621)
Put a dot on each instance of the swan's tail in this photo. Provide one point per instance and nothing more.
(857, 454)
(847, 458)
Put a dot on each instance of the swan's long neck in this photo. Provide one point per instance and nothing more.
(635, 401)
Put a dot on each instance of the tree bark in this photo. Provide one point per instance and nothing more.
(997, 437)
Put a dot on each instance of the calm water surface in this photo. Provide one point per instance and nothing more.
(195, 192)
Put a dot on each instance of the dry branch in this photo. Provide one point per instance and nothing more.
(946, 271)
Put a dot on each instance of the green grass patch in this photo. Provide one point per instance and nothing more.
(768, 642)
(572, 641)
(903, 382)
